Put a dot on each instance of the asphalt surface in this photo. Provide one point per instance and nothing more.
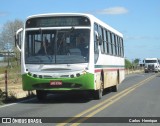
(138, 96)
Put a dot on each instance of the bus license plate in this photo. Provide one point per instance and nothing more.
(55, 83)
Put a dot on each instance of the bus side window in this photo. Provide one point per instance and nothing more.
(96, 51)
(105, 41)
(116, 41)
(113, 44)
(122, 47)
(118, 46)
(110, 43)
(101, 39)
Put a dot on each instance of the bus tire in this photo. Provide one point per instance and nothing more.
(99, 93)
(115, 88)
(41, 95)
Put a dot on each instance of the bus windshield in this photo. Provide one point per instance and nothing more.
(150, 61)
(62, 46)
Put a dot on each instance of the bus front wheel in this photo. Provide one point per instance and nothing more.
(41, 95)
(99, 93)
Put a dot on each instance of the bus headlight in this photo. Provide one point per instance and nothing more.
(72, 76)
(34, 75)
(78, 74)
(29, 74)
(40, 76)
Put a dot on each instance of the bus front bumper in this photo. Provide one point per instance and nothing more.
(83, 82)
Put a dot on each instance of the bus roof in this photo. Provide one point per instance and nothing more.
(91, 17)
(151, 58)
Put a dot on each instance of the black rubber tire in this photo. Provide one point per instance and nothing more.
(41, 95)
(115, 88)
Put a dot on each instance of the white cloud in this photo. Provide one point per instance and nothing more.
(113, 11)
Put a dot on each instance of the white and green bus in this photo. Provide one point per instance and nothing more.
(70, 52)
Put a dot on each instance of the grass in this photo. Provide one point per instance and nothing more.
(13, 72)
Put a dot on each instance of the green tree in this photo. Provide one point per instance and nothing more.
(136, 62)
(128, 64)
(8, 32)
(7, 38)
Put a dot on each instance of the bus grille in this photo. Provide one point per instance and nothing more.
(48, 86)
(151, 67)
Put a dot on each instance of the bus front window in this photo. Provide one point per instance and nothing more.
(57, 46)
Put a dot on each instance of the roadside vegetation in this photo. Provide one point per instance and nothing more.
(13, 81)
(9, 60)
(128, 64)
(135, 64)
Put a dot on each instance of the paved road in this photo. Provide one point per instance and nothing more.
(138, 96)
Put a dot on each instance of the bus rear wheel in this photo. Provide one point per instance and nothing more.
(114, 88)
(41, 95)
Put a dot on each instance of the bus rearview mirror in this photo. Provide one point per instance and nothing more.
(19, 38)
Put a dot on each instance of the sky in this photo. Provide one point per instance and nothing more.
(137, 20)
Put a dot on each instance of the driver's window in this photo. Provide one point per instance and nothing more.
(96, 51)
